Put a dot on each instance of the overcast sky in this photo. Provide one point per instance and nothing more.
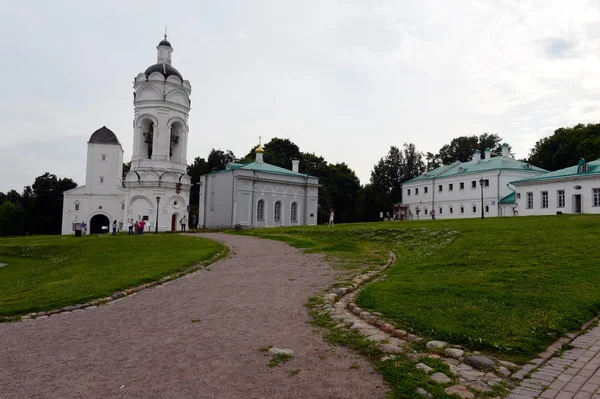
(343, 79)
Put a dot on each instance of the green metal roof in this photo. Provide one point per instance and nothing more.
(593, 168)
(464, 168)
(262, 167)
(509, 199)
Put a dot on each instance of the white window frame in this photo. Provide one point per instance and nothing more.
(529, 204)
(595, 196)
(560, 200)
(544, 199)
(277, 211)
(294, 212)
(260, 209)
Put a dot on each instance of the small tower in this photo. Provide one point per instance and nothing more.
(161, 102)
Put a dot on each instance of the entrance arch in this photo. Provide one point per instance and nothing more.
(97, 222)
(174, 222)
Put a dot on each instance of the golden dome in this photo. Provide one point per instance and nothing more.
(259, 149)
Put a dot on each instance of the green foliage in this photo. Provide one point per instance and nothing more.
(462, 148)
(46, 272)
(504, 285)
(566, 146)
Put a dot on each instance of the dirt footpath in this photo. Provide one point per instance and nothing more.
(196, 337)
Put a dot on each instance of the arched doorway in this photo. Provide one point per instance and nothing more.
(174, 222)
(97, 222)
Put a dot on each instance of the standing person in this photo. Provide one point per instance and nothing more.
(141, 226)
(114, 228)
(130, 225)
(83, 228)
(331, 217)
(433, 214)
(136, 227)
(183, 223)
(194, 221)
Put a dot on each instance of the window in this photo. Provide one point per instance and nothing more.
(529, 200)
(561, 199)
(486, 183)
(425, 189)
(544, 199)
(260, 210)
(440, 212)
(450, 187)
(462, 185)
(596, 197)
(487, 208)
(462, 209)
(277, 211)
(426, 211)
(474, 209)
(474, 184)
(451, 210)
(583, 168)
(294, 212)
(122, 206)
(101, 179)
(76, 207)
(440, 188)
(416, 191)
(408, 191)
(104, 157)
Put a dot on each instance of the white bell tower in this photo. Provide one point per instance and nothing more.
(157, 181)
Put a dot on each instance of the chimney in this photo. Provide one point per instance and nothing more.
(476, 156)
(488, 154)
(295, 165)
(505, 152)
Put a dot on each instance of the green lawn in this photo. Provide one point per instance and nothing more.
(50, 272)
(506, 285)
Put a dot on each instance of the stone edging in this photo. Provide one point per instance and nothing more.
(339, 301)
(118, 295)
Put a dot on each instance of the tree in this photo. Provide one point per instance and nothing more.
(195, 170)
(462, 148)
(46, 213)
(218, 159)
(11, 217)
(339, 191)
(566, 146)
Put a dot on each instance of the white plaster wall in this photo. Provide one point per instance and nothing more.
(587, 185)
(466, 198)
(90, 205)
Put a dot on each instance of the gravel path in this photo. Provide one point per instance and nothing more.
(147, 346)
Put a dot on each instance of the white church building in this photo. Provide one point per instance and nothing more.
(157, 187)
(465, 189)
(258, 194)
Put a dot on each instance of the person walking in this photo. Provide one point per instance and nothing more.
(194, 221)
(141, 226)
(183, 223)
(130, 225)
(433, 214)
(331, 217)
(136, 227)
(114, 228)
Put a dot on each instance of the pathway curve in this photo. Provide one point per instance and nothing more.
(147, 345)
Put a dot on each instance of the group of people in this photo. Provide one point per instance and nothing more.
(134, 226)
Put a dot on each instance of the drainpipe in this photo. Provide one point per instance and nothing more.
(498, 192)
(305, 200)
(252, 216)
(232, 197)
(432, 195)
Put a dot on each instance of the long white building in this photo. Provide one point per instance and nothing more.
(575, 189)
(464, 189)
(157, 186)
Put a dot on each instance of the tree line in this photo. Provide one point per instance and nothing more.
(38, 208)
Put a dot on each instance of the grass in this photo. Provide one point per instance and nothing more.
(279, 358)
(51, 272)
(510, 286)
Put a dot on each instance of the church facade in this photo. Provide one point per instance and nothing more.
(258, 194)
(157, 187)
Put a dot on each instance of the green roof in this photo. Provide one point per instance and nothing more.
(263, 167)
(593, 168)
(509, 199)
(464, 168)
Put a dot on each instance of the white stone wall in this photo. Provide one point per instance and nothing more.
(469, 199)
(231, 197)
(576, 186)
